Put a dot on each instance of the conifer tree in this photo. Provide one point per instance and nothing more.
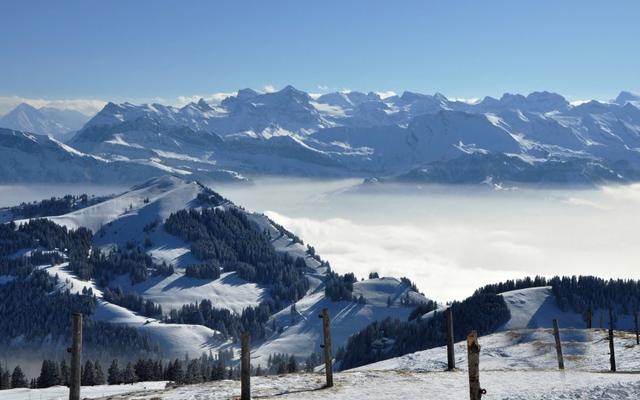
(98, 378)
(49, 374)
(129, 375)
(65, 374)
(114, 374)
(88, 374)
(292, 364)
(18, 380)
(5, 379)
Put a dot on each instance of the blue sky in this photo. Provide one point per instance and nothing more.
(142, 50)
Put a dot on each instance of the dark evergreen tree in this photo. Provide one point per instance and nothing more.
(88, 374)
(114, 374)
(65, 373)
(18, 380)
(292, 365)
(49, 374)
(5, 379)
(98, 378)
(129, 375)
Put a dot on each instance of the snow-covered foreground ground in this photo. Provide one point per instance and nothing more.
(358, 385)
(526, 349)
(91, 392)
(515, 365)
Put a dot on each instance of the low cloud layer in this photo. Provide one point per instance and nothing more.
(451, 242)
(86, 106)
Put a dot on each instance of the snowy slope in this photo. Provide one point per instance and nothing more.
(27, 157)
(394, 385)
(88, 392)
(302, 334)
(527, 349)
(537, 307)
(174, 340)
(127, 218)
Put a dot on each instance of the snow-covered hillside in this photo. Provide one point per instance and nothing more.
(137, 217)
(515, 365)
(30, 158)
(537, 307)
(527, 349)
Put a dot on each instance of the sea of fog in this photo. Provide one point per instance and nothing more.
(452, 240)
(449, 240)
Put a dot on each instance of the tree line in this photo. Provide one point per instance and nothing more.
(237, 244)
(55, 206)
(392, 337)
(206, 368)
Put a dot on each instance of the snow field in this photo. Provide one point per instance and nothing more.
(86, 392)
(398, 385)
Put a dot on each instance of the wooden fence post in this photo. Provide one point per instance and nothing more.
(635, 317)
(556, 334)
(589, 318)
(76, 357)
(328, 359)
(451, 357)
(245, 367)
(473, 356)
(612, 350)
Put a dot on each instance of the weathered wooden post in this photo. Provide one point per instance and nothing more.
(612, 350)
(635, 317)
(328, 365)
(76, 356)
(451, 357)
(245, 367)
(556, 334)
(589, 318)
(473, 356)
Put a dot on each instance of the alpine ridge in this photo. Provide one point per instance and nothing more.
(541, 137)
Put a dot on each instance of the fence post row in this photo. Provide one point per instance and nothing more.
(451, 357)
(245, 367)
(556, 334)
(612, 350)
(473, 356)
(328, 365)
(76, 356)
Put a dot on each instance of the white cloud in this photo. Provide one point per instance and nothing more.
(323, 87)
(214, 98)
(451, 241)
(433, 258)
(269, 88)
(86, 106)
(385, 94)
(473, 100)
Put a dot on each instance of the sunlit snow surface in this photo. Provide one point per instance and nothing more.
(89, 392)
(401, 385)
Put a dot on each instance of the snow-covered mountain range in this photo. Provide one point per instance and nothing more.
(538, 138)
(58, 123)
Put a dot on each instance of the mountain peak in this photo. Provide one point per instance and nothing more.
(625, 97)
(25, 107)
